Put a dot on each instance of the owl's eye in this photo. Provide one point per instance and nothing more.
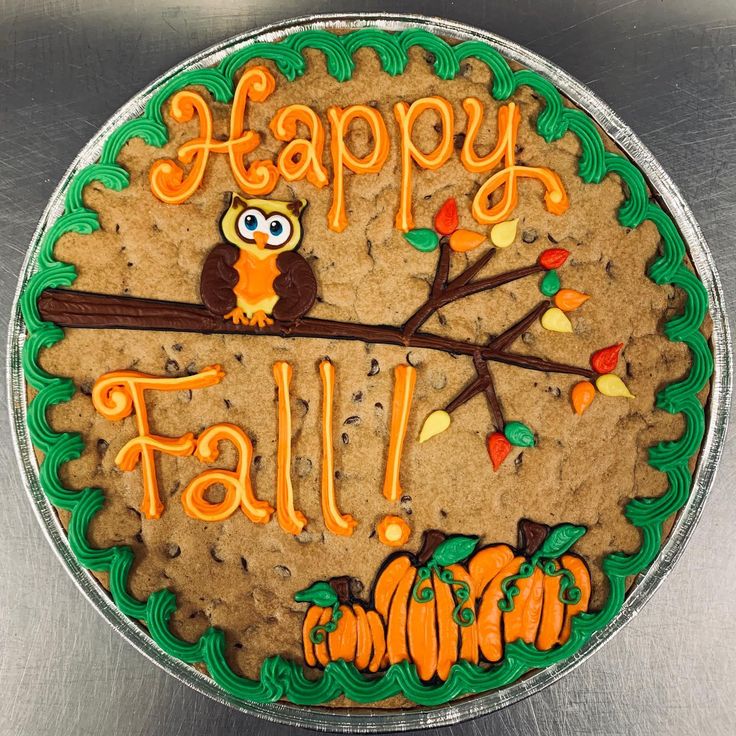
(250, 221)
(279, 229)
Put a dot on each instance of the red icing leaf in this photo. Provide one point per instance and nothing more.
(605, 360)
(498, 448)
(446, 220)
(553, 258)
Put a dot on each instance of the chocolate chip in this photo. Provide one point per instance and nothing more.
(238, 645)
(282, 570)
(139, 538)
(519, 460)
(609, 269)
(375, 368)
(302, 466)
(102, 446)
(257, 461)
(345, 438)
(172, 366)
(338, 475)
(430, 58)
(459, 141)
(244, 564)
(378, 405)
(177, 346)
(302, 407)
(86, 388)
(191, 369)
(130, 264)
(530, 235)
(228, 403)
(214, 555)
(238, 357)
(357, 397)
(173, 550)
(117, 227)
(406, 499)
(551, 239)
(352, 420)
(443, 513)
(441, 318)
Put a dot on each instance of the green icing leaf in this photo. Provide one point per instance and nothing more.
(423, 239)
(453, 550)
(320, 594)
(519, 434)
(559, 540)
(550, 283)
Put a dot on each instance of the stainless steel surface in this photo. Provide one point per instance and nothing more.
(680, 88)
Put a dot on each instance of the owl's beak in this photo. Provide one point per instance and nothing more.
(261, 239)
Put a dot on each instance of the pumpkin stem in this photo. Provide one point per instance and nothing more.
(531, 536)
(430, 541)
(341, 586)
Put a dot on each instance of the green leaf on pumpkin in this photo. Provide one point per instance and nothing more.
(559, 540)
(320, 594)
(454, 550)
(423, 239)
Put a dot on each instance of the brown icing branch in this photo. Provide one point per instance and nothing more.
(443, 293)
(68, 308)
(432, 539)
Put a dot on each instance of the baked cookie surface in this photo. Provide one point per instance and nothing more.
(386, 370)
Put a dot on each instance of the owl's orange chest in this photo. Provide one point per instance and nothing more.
(255, 277)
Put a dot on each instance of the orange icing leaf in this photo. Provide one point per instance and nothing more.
(337, 523)
(569, 300)
(582, 396)
(446, 220)
(344, 639)
(393, 531)
(578, 568)
(405, 377)
(469, 633)
(447, 629)
(379, 641)
(553, 614)
(498, 449)
(290, 520)
(119, 394)
(387, 582)
(364, 647)
(462, 241)
(167, 178)
(396, 634)
(311, 620)
(342, 157)
(507, 178)
(237, 483)
(300, 158)
(490, 638)
(406, 116)
(422, 633)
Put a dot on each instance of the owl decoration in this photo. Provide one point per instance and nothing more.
(256, 277)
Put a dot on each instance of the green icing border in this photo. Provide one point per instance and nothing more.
(280, 678)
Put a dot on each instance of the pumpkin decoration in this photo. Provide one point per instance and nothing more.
(426, 602)
(531, 594)
(336, 626)
(451, 602)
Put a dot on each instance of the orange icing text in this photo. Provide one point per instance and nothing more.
(290, 520)
(405, 377)
(336, 522)
(303, 158)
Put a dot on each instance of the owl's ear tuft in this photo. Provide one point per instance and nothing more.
(297, 206)
(237, 202)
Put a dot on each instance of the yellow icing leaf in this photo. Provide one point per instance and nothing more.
(503, 234)
(555, 320)
(610, 384)
(436, 423)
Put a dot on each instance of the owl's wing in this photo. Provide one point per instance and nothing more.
(296, 287)
(218, 279)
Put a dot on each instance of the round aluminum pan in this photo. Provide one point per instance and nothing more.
(365, 719)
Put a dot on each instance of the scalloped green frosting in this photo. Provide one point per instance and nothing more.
(278, 677)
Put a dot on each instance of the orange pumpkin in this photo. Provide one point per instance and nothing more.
(427, 604)
(532, 594)
(336, 626)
